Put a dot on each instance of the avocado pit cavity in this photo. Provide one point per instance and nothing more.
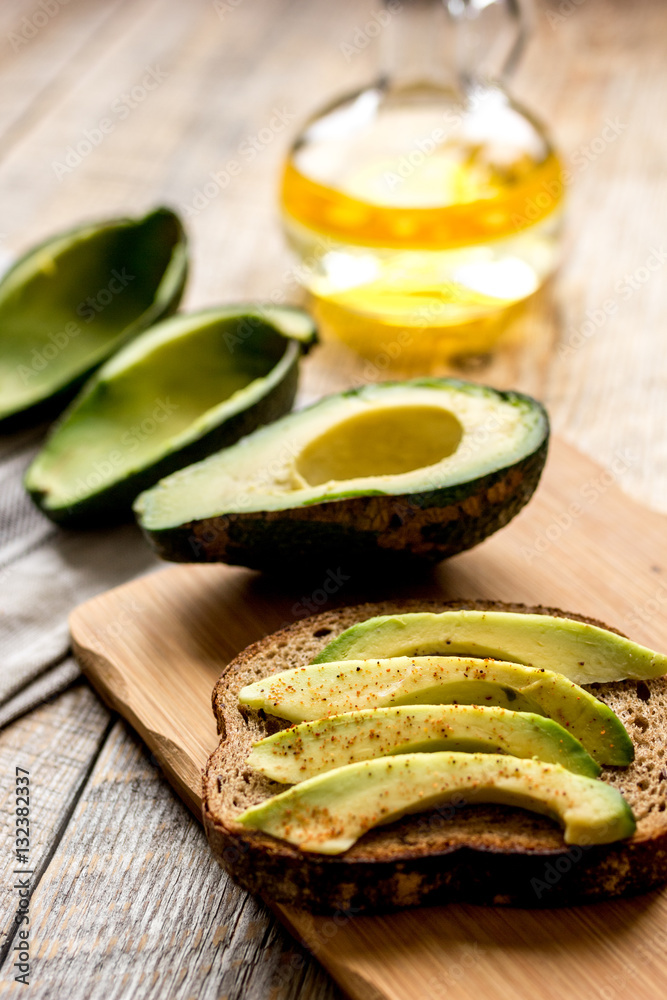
(387, 441)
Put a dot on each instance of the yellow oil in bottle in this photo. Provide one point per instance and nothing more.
(422, 216)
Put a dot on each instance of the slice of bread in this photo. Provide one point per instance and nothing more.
(481, 854)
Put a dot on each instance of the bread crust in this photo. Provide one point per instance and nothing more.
(480, 854)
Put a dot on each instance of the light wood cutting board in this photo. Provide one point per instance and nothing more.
(154, 648)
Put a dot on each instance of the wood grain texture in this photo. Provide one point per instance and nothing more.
(41, 57)
(608, 371)
(132, 904)
(462, 953)
(40, 586)
(580, 544)
(56, 744)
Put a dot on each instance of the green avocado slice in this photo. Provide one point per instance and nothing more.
(587, 654)
(311, 748)
(72, 301)
(419, 469)
(327, 814)
(325, 689)
(184, 388)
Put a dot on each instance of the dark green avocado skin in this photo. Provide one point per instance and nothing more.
(164, 305)
(46, 409)
(115, 503)
(416, 528)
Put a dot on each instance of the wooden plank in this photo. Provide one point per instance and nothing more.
(41, 585)
(109, 61)
(56, 744)
(190, 620)
(30, 83)
(133, 905)
(589, 65)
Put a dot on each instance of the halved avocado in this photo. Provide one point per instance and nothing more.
(69, 303)
(301, 752)
(423, 469)
(327, 814)
(184, 388)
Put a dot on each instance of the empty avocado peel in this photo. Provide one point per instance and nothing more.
(308, 749)
(327, 814)
(72, 301)
(585, 653)
(325, 689)
(184, 388)
(420, 469)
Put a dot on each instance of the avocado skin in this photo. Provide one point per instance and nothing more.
(413, 528)
(47, 409)
(52, 405)
(114, 504)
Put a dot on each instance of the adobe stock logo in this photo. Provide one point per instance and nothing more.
(32, 25)
(121, 108)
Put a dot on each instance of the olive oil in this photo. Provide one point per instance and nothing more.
(421, 211)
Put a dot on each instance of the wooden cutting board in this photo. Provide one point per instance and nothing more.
(154, 648)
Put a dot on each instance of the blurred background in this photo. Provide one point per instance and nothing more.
(111, 107)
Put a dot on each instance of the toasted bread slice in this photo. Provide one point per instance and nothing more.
(480, 854)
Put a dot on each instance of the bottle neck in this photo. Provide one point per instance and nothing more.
(418, 47)
(451, 45)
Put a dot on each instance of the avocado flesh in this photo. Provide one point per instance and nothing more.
(399, 459)
(326, 689)
(585, 653)
(311, 748)
(69, 303)
(180, 389)
(327, 814)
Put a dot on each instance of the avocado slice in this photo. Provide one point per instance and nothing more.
(70, 302)
(587, 654)
(184, 388)
(327, 814)
(311, 748)
(325, 689)
(420, 469)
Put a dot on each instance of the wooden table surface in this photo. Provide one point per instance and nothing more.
(126, 899)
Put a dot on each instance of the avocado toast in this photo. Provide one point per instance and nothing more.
(485, 853)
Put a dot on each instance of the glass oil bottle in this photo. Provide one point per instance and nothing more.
(426, 209)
